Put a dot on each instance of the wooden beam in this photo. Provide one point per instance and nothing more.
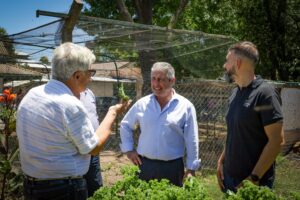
(70, 22)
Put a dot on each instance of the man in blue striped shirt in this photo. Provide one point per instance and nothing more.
(56, 137)
(169, 130)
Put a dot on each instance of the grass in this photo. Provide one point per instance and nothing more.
(287, 181)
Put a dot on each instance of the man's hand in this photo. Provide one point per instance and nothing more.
(134, 157)
(220, 175)
(249, 179)
(120, 107)
(189, 173)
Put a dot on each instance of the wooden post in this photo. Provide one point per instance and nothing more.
(71, 21)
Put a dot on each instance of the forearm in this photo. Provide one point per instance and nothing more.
(104, 130)
(222, 157)
(271, 150)
(266, 158)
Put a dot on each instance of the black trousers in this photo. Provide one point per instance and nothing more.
(61, 189)
(172, 170)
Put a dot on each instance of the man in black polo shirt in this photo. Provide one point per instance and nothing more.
(254, 123)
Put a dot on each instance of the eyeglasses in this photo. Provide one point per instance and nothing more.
(91, 72)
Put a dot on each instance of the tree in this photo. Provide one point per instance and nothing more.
(140, 11)
(8, 45)
(44, 60)
(275, 27)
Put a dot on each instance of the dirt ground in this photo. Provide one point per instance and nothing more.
(111, 163)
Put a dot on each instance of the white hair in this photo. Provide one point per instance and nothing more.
(69, 58)
(165, 67)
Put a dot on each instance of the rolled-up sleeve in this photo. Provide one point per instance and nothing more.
(126, 130)
(191, 140)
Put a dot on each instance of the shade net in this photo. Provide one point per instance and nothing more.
(195, 53)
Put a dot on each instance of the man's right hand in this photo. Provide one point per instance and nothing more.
(220, 175)
(134, 157)
(121, 107)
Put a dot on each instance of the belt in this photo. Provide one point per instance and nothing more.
(29, 178)
(164, 161)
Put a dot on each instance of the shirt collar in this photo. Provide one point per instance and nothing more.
(175, 96)
(60, 84)
(256, 82)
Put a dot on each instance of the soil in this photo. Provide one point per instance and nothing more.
(111, 164)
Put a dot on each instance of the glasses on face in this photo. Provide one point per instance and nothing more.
(91, 72)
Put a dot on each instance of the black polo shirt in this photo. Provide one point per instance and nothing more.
(250, 109)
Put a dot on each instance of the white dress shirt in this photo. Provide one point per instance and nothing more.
(165, 134)
(55, 134)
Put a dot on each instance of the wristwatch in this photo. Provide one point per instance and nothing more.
(254, 178)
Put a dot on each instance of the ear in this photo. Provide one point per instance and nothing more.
(76, 75)
(173, 80)
(238, 63)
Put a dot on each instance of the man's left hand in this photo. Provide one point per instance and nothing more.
(189, 173)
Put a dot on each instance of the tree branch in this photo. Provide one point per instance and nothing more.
(124, 11)
(175, 17)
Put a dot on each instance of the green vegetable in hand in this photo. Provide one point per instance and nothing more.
(122, 94)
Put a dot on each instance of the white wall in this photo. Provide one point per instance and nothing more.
(101, 89)
(291, 108)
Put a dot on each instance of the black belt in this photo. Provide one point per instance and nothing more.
(30, 179)
(164, 161)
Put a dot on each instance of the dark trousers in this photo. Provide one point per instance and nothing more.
(93, 176)
(60, 189)
(172, 170)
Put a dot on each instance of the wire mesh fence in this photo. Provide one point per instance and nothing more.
(210, 98)
(210, 101)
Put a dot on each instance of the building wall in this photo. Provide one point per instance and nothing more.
(291, 108)
(102, 89)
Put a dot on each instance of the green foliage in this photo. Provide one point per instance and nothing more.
(121, 93)
(132, 188)
(8, 44)
(10, 179)
(249, 191)
(44, 60)
(272, 25)
(274, 28)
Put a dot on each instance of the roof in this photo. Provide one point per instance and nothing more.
(126, 70)
(128, 73)
(110, 66)
(13, 72)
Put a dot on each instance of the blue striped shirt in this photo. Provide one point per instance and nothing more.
(165, 134)
(54, 132)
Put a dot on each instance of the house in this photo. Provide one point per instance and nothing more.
(109, 74)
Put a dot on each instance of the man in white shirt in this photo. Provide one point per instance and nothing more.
(56, 137)
(169, 130)
(93, 176)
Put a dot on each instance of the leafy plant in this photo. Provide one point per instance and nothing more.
(121, 93)
(249, 191)
(131, 187)
(8, 152)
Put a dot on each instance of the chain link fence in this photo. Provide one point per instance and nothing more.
(210, 100)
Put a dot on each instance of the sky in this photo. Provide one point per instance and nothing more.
(20, 15)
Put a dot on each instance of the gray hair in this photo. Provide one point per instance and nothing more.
(246, 49)
(165, 67)
(69, 58)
